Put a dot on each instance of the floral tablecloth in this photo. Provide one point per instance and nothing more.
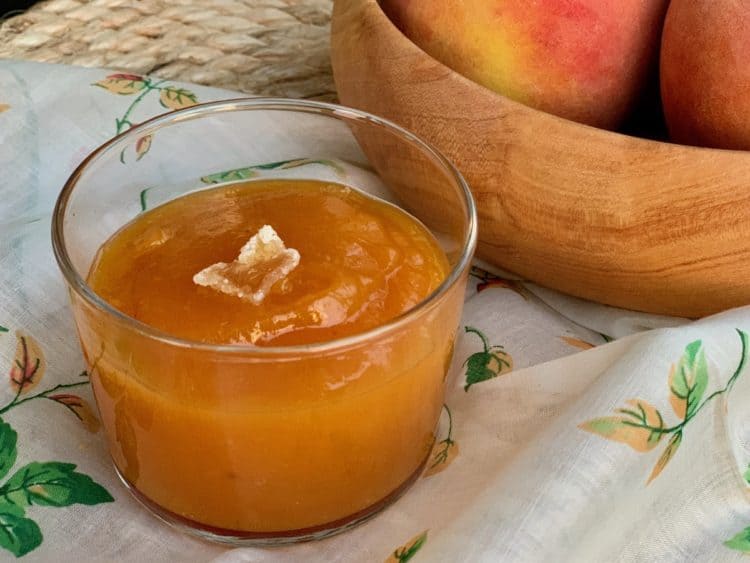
(553, 444)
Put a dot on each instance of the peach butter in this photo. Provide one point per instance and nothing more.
(247, 419)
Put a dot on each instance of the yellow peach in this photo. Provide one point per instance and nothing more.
(586, 60)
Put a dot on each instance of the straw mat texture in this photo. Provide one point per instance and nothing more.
(265, 47)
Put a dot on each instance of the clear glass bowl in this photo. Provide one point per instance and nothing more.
(265, 445)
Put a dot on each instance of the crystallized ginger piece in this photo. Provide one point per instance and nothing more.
(263, 261)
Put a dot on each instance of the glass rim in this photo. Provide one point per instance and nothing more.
(332, 111)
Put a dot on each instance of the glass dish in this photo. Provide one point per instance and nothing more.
(265, 445)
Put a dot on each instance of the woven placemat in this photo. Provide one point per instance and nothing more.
(264, 47)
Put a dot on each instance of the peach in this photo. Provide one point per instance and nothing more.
(705, 73)
(586, 60)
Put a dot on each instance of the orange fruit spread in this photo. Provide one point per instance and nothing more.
(252, 443)
(362, 263)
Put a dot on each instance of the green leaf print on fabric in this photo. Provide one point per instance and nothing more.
(123, 84)
(741, 541)
(408, 550)
(49, 483)
(252, 171)
(18, 534)
(443, 452)
(641, 426)
(8, 438)
(170, 96)
(490, 362)
(52, 483)
(688, 380)
(249, 172)
(142, 198)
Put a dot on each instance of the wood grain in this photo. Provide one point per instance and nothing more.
(630, 222)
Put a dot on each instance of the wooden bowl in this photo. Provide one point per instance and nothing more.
(630, 222)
